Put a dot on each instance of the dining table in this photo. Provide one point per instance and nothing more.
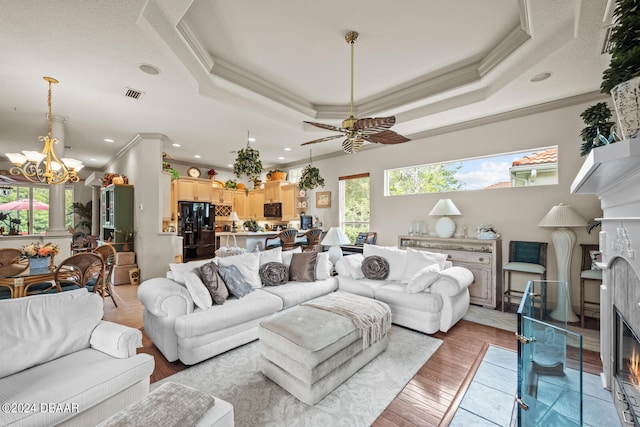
(20, 282)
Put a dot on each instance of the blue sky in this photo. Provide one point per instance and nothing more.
(479, 173)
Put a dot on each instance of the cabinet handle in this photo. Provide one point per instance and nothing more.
(481, 259)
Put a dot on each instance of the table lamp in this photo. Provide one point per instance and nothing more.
(445, 227)
(561, 217)
(234, 217)
(334, 238)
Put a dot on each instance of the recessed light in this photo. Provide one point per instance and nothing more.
(252, 139)
(176, 145)
(149, 69)
(280, 158)
(93, 160)
(230, 166)
(197, 156)
(540, 77)
(108, 140)
(287, 148)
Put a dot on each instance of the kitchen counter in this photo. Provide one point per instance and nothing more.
(250, 240)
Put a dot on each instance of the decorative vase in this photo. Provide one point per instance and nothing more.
(626, 100)
(39, 263)
(126, 247)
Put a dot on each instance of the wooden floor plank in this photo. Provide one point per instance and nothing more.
(429, 399)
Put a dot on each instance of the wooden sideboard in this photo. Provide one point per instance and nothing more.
(482, 257)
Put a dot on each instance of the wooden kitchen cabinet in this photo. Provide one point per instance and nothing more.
(273, 191)
(241, 204)
(482, 257)
(194, 190)
(288, 196)
(222, 196)
(256, 204)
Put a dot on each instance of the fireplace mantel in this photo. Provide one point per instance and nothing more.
(612, 172)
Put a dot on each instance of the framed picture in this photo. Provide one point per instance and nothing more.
(596, 257)
(323, 199)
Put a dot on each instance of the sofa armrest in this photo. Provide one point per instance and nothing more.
(165, 298)
(116, 340)
(452, 281)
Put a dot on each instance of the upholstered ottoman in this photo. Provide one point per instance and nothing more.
(311, 349)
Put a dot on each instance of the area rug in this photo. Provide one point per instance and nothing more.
(235, 377)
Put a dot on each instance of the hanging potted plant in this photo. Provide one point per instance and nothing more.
(167, 168)
(310, 177)
(248, 163)
(599, 130)
(622, 78)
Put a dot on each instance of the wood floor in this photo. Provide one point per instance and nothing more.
(429, 399)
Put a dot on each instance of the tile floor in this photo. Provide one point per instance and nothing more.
(488, 402)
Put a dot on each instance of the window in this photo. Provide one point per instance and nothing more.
(354, 210)
(519, 169)
(295, 174)
(27, 209)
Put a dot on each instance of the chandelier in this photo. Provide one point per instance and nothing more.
(45, 167)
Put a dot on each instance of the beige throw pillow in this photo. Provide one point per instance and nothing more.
(303, 267)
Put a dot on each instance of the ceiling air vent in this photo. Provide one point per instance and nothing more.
(133, 93)
(607, 45)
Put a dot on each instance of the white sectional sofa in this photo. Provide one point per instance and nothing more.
(184, 328)
(61, 364)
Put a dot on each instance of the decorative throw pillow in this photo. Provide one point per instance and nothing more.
(350, 266)
(287, 255)
(274, 274)
(303, 267)
(248, 264)
(375, 267)
(235, 281)
(417, 259)
(397, 258)
(199, 293)
(214, 283)
(271, 255)
(424, 278)
(178, 270)
(323, 266)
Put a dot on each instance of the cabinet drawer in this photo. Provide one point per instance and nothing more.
(473, 257)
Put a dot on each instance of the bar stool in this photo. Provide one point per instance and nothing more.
(588, 271)
(524, 257)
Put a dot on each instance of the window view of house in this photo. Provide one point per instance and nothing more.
(518, 169)
(355, 213)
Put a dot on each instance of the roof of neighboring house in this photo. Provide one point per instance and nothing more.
(546, 156)
(503, 184)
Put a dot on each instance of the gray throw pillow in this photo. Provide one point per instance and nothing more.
(274, 274)
(303, 267)
(214, 283)
(375, 267)
(235, 281)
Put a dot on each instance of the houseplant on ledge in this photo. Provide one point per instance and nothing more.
(599, 130)
(622, 78)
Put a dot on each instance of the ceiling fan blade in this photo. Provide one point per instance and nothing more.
(369, 126)
(328, 127)
(328, 138)
(386, 137)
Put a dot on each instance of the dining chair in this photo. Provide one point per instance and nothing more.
(588, 271)
(286, 239)
(108, 254)
(311, 239)
(526, 258)
(11, 264)
(83, 270)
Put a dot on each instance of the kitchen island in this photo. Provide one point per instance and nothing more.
(249, 240)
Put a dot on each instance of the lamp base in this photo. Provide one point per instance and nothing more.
(335, 253)
(445, 227)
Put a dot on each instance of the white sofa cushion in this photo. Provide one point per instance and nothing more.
(417, 259)
(83, 378)
(41, 328)
(323, 266)
(395, 294)
(397, 259)
(424, 278)
(198, 291)
(350, 266)
(287, 256)
(363, 287)
(271, 255)
(178, 270)
(116, 340)
(294, 293)
(248, 264)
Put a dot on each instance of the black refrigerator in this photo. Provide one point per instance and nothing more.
(197, 227)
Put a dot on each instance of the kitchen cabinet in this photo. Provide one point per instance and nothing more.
(222, 196)
(165, 184)
(194, 190)
(241, 204)
(256, 204)
(272, 191)
(482, 257)
(288, 195)
(116, 212)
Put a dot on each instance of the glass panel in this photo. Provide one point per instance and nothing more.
(549, 362)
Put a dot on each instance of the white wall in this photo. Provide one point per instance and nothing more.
(515, 212)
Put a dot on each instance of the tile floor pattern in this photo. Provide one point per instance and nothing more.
(488, 402)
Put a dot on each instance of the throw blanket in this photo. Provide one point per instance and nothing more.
(169, 405)
(371, 317)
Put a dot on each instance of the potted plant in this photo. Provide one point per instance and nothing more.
(599, 130)
(212, 172)
(310, 178)
(82, 228)
(167, 168)
(622, 78)
(276, 175)
(248, 163)
(230, 184)
(251, 225)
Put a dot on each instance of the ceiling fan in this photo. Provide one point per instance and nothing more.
(359, 130)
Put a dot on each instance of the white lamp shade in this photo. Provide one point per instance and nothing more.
(562, 216)
(444, 207)
(335, 237)
(234, 216)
